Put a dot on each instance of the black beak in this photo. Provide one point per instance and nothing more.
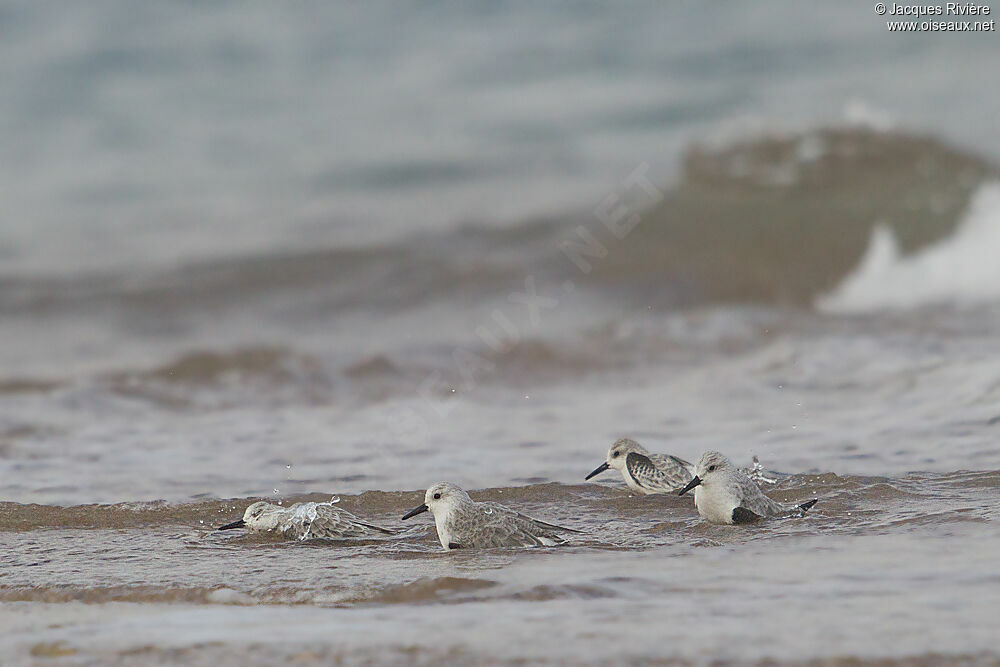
(690, 485)
(234, 524)
(420, 509)
(597, 471)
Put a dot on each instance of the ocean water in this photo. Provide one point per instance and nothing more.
(251, 252)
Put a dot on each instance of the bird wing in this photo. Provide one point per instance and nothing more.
(658, 473)
(755, 501)
(671, 462)
(327, 522)
(755, 505)
(550, 526)
(497, 526)
(378, 529)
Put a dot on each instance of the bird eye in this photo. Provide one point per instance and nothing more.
(711, 468)
(437, 496)
(615, 455)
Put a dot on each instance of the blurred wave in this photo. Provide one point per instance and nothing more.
(960, 269)
(780, 219)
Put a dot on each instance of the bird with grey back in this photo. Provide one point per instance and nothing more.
(725, 494)
(463, 523)
(645, 472)
(303, 521)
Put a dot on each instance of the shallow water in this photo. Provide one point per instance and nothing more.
(884, 566)
(226, 274)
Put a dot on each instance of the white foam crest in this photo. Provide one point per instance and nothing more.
(862, 113)
(963, 269)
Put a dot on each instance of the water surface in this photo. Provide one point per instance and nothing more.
(248, 254)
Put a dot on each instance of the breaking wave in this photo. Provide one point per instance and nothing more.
(962, 269)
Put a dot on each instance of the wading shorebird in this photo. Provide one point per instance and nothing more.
(462, 523)
(304, 521)
(645, 472)
(725, 494)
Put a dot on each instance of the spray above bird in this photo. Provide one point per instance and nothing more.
(463, 523)
(303, 521)
(725, 494)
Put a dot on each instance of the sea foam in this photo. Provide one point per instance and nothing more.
(962, 269)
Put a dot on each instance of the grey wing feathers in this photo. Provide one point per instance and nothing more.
(499, 526)
(540, 533)
(504, 536)
(334, 524)
(550, 526)
(678, 461)
(755, 501)
(378, 529)
(364, 526)
(657, 472)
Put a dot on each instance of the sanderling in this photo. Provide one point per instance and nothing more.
(463, 523)
(724, 493)
(305, 521)
(645, 472)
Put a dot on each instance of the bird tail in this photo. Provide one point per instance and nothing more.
(387, 531)
(553, 526)
(804, 507)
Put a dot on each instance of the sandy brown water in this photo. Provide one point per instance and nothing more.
(881, 563)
